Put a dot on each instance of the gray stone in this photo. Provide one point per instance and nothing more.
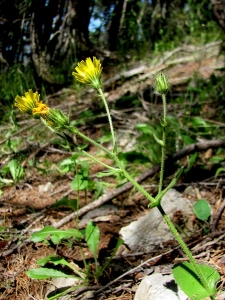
(151, 231)
(158, 287)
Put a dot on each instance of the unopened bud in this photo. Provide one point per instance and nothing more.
(161, 84)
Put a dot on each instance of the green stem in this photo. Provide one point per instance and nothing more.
(164, 215)
(115, 158)
(162, 161)
(185, 248)
(101, 95)
(98, 161)
(134, 182)
(86, 138)
(163, 147)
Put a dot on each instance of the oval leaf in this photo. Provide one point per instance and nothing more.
(202, 209)
(187, 279)
(92, 237)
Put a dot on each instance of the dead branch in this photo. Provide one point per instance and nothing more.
(183, 55)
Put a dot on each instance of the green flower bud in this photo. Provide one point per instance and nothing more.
(56, 119)
(161, 84)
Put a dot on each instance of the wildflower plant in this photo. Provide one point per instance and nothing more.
(197, 281)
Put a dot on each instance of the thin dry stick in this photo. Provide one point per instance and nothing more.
(40, 215)
(217, 217)
(201, 146)
(135, 269)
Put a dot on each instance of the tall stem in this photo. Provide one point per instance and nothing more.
(184, 247)
(164, 215)
(86, 138)
(134, 182)
(101, 95)
(163, 146)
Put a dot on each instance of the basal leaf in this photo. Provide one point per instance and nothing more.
(56, 235)
(44, 273)
(92, 237)
(187, 279)
(202, 209)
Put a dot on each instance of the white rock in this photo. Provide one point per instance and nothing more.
(58, 283)
(158, 287)
(44, 188)
(151, 231)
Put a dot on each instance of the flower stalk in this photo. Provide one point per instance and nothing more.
(101, 95)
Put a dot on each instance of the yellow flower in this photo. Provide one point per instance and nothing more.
(89, 72)
(28, 102)
(41, 109)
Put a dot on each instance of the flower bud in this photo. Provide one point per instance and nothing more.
(56, 119)
(161, 84)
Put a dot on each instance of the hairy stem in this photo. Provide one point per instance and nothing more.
(184, 247)
(101, 95)
(163, 146)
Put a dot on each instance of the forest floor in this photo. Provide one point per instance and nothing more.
(27, 206)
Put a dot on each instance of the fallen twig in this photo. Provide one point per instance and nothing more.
(217, 217)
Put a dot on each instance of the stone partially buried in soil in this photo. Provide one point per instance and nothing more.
(158, 287)
(151, 231)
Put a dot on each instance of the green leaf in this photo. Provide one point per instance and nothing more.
(66, 165)
(56, 235)
(80, 182)
(187, 279)
(192, 160)
(199, 122)
(44, 273)
(92, 238)
(118, 244)
(56, 260)
(216, 159)
(202, 209)
(71, 203)
(160, 142)
(99, 188)
(219, 170)
(16, 170)
(145, 128)
(133, 156)
(108, 173)
(187, 140)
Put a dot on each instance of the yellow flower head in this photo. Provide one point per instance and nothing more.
(28, 102)
(89, 72)
(41, 109)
